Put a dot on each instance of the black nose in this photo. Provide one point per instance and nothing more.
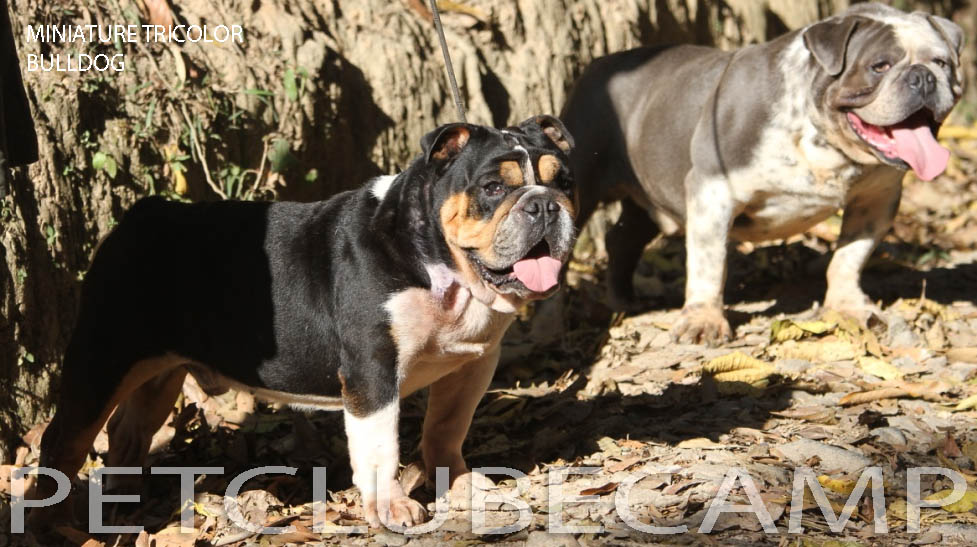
(921, 80)
(540, 206)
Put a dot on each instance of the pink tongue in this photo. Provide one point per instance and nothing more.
(917, 147)
(538, 274)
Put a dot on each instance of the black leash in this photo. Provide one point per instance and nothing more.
(447, 62)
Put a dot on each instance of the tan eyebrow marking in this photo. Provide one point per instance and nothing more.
(549, 167)
(511, 173)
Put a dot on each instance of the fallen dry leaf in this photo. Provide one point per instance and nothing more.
(863, 397)
(821, 351)
(950, 447)
(5, 471)
(963, 355)
(622, 465)
(600, 490)
(733, 362)
(785, 329)
(412, 477)
(880, 368)
(967, 404)
(701, 443)
(962, 505)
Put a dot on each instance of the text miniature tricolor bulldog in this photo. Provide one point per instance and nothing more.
(346, 304)
(762, 143)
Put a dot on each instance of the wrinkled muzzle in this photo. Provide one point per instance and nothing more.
(902, 123)
(531, 243)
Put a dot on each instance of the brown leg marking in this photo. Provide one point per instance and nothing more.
(80, 416)
(136, 420)
(451, 404)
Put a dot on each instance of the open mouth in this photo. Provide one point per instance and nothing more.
(910, 143)
(537, 270)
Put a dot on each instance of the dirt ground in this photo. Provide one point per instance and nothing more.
(582, 387)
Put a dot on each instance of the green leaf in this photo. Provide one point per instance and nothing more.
(98, 160)
(111, 167)
(312, 176)
(29, 357)
(280, 156)
(291, 87)
(148, 123)
(106, 163)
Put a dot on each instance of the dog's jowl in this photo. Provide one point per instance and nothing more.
(762, 143)
(347, 304)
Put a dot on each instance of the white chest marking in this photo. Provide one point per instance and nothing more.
(796, 178)
(439, 330)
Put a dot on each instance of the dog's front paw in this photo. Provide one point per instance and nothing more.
(468, 490)
(854, 305)
(396, 511)
(702, 324)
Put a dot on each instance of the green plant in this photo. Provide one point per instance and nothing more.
(104, 162)
(294, 83)
(51, 235)
(25, 357)
(143, 129)
(281, 156)
(232, 180)
(85, 138)
(262, 95)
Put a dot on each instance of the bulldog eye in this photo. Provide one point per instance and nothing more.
(493, 189)
(881, 67)
(942, 63)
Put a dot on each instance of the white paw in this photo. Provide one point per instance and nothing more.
(701, 324)
(397, 511)
(854, 305)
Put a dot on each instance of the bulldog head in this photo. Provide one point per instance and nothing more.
(887, 81)
(505, 202)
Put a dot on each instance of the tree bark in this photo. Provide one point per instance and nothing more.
(318, 98)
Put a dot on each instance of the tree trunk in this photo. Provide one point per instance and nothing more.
(319, 97)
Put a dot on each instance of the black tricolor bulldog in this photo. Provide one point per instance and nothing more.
(346, 304)
(762, 143)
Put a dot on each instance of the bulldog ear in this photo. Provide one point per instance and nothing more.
(554, 129)
(828, 42)
(445, 142)
(951, 32)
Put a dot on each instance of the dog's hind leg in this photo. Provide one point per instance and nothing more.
(625, 243)
(137, 419)
(88, 396)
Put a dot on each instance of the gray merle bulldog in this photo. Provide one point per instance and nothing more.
(347, 304)
(762, 143)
